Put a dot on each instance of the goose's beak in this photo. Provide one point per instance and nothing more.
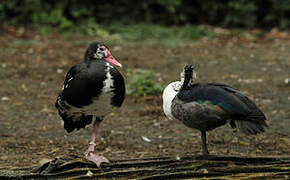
(110, 58)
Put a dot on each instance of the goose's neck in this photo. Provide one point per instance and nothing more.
(168, 95)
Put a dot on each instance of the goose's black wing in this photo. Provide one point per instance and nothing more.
(249, 118)
(83, 83)
(118, 88)
(218, 94)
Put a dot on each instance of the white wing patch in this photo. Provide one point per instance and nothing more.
(70, 79)
(66, 86)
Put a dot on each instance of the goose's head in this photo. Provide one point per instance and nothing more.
(99, 51)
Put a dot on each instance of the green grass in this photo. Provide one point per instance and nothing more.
(143, 82)
(157, 34)
(149, 34)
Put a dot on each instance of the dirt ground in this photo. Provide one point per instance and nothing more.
(32, 70)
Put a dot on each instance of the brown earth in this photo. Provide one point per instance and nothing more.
(32, 70)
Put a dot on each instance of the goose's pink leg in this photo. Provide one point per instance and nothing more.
(89, 154)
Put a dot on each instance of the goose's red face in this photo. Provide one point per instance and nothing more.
(109, 57)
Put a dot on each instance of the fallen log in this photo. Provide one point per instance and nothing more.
(226, 167)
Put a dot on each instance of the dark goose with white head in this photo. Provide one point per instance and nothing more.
(206, 106)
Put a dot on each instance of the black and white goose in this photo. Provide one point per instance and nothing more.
(206, 106)
(91, 90)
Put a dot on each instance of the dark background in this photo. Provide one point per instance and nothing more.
(226, 13)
